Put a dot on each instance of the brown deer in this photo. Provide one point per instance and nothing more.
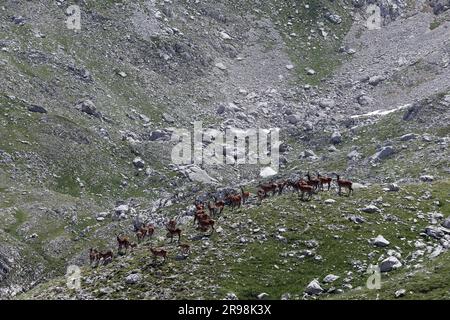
(199, 206)
(200, 215)
(93, 255)
(159, 253)
(245, 195)
(172, 232)
(204, 225)
(220, 205)
(212, 208)
(235, 201)
(281, 185)
(261, 195)
(347, 184)
(107, 256)
(324, 180)
(123, 241)
(172, 224)
(313, 182)
(303, 187)
(267, 187)
(145, 231)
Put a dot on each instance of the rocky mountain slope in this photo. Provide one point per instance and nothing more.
(86, 120)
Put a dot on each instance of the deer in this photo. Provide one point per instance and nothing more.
(324, 180)
(159, 253)
(261, 195)
(267, 187)
(172, 224)
(347, 184)
(220, 205)
(212, 208)
(204, 225)
(144, 231)
(235, 201)
(199, 205)
(305, 188)
(200, 215)
(93, 255)
(172, 232)
(245, 195)
(107, 256)
(313, 182)
(123, 241)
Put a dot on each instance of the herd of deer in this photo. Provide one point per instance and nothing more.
(215, 207)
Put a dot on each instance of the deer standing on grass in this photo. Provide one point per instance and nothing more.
(204, 225)
(220, 205)
(235, 201)
(159, 253)
(172, 232)
(123, 241)
(304, 187)
(261, 195)
(346, 184)
(313, 182)
(107, 256)
(324, 180)
(267, 187)
(281, 185)
(93, 255)
(245, 195)
(200, 215)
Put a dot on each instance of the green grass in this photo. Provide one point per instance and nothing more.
(225, 265)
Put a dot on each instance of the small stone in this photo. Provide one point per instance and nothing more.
(310, 71)
(330, 278)
(133, 278)
(390, 264)
(262, 296)
(336, 137)
(220, 66)
(370, 209)
(400, 293)
(380, 241)
(426, 178)
(122, 74)
(314, 288)
(36, 108)
(139, 163)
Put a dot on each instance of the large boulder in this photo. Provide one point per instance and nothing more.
(293, 119)
(195, 173)
(314, 288)
(88, 107)
(446, 223)
(36, 108)
(133, 278)
(390, 264)
(384, 153)
(336, 137)
(139, 163)
(267, 172)
(380, 241)
(327, 103)
(434, 232)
